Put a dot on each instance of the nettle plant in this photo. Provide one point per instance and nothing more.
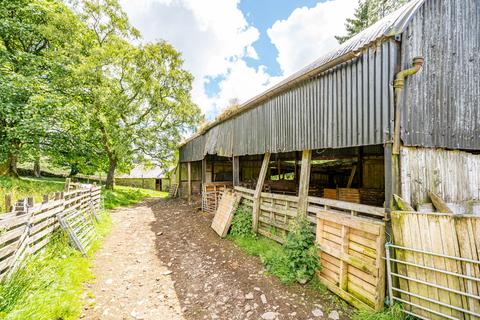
(301, 251)
(242, 222)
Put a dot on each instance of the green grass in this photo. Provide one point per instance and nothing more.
(28, 187)
(50, 285)
(124, 196)
(270, 253)
(36, 187)
(392, 313)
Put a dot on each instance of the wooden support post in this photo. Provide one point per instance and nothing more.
(296, 167)
(304, 183)
(204, 172)
(179, 188)
(236, 171)
(189, 183)
(352, 175)
(258, 191)
(389, 177)
(8, 202)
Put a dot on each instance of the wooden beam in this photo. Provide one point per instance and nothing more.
(189, 183)
(352, 175)
(304, 183)
(8, 202)
(236, 171)
(258, 191)
(402, 204)
(439, 203)
(204, 171)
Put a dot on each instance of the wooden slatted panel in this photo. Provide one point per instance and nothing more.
(351, 252)
(223, 217)
(212, 192)
(453, 235)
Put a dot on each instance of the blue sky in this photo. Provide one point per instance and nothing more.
(236, 49)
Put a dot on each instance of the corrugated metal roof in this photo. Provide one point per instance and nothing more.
(391, 25)
(144, 172)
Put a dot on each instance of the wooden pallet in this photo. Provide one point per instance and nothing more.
(223, 217)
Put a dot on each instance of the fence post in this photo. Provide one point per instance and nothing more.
(67, 184)
(20, 207)
(8, 202)
(258, 191)
(45, 198)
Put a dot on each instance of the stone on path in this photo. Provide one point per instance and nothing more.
(317, 313)
(249, 296)
(334, 315)
(269, 315)
(263, 298)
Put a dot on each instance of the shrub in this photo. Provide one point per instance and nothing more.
(242, 222)
(301, 252)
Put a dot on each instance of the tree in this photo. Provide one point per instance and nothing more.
(136, 97)
(367, 13)
(34, 39)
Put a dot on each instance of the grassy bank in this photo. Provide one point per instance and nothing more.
(24, 187)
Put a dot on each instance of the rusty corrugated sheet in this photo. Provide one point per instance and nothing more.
(442, 102)
(350, 105)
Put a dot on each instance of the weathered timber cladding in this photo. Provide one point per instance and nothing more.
(349, 105)
(453, 175)
(442, 101)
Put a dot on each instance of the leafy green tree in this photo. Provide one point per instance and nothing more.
(35, 37)
(136, 97)
(367, 13)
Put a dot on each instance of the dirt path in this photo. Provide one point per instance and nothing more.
(131, 282)
(162, 261)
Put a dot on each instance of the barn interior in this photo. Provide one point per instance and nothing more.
(350, 174)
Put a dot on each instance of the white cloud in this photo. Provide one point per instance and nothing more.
(309, 33)
(214, 38)
(212, 35)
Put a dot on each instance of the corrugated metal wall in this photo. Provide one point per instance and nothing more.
(452, 174)
(443, 101)
(350, 105)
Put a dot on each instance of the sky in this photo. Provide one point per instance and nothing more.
(236, 49)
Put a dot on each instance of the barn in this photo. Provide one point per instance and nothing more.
(389, 119)
(369, 129)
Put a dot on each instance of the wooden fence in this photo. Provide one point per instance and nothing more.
(28, 227)
(436, 264)
(351, 238)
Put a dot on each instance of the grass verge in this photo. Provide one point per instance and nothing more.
(49, 285)
(392, 313)
(124, 196)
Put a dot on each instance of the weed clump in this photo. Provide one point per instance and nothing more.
(301, 251)
(296, 260)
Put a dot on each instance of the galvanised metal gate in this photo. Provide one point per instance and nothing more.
(427, 287)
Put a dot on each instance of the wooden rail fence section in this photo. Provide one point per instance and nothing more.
(351, 237)
(29, 226)
(422, 278)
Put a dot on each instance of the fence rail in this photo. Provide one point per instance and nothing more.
(28, 227)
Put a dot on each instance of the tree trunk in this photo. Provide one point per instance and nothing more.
(36, 168)
(9, 168)
(112, 165)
